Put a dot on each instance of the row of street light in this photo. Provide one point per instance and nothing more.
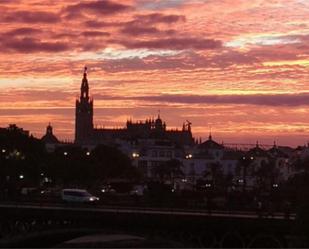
(65, 153)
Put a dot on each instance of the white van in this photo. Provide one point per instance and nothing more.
(78, 195)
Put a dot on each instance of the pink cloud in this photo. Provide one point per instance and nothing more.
(174, 43)
(99, 7)
(154, 18)
(29, 45)
(31, 17)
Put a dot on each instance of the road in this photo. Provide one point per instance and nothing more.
(142, 210)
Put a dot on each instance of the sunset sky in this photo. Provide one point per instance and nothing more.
(240, 67)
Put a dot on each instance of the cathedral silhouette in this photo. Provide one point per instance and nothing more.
(86, 134)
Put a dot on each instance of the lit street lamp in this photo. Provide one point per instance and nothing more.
(189, 156)
(135, 155)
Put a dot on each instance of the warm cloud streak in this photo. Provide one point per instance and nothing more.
(239, 66)
(252, 99)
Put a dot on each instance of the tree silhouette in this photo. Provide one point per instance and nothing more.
(302, 164)
(243, 166)
(267, 174)
(170, 170)
(215, 172)
(77, 166)
(109, 162)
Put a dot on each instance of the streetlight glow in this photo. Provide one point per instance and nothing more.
(135, 155)
(189, 156)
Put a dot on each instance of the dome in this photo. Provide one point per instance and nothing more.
(49, 137)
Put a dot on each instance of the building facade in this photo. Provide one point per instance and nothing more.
(87, 135)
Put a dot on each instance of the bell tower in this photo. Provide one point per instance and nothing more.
(84, 114)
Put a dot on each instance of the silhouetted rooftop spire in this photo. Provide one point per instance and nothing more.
(85, 71)
(85, 87)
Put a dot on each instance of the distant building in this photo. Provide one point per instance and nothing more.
(203, 157)
(282, 162)
(147, 154)
(150, 144)
(87, 135)
(14, 129)
(50, 139)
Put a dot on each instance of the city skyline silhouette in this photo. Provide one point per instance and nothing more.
(238, 69)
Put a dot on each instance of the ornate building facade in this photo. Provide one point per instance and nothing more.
(86, 134)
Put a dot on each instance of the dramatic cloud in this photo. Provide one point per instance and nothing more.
(212, 62)
(256, 99)
(101, 7)
(29, 45)
(95, 33)
(31, 17)
(155, 18)
(136, 30)
(145, 24)
(174, 43)
(21, 32)
(100, 24)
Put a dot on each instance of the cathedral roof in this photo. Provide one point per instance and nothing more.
(49, 137)
(210, 144)
(257, 151)
(277, 152)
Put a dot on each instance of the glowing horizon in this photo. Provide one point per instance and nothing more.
(238, 67)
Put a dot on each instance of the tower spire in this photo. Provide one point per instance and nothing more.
(85, 72)
(84, 113)
(84, 90)
(210, 136)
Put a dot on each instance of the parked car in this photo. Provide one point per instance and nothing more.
(78, 195)
(138, 190)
